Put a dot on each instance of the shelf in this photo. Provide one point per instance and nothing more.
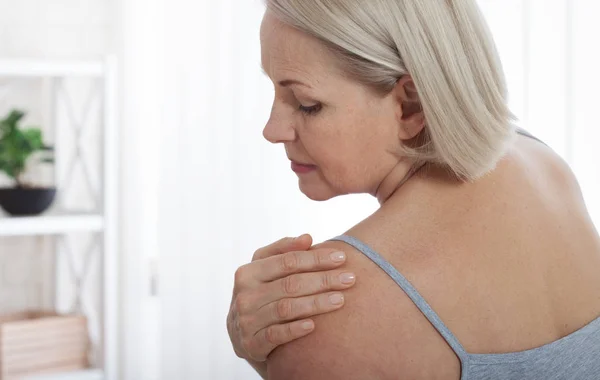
(37, 68)
(97, 113)
(90, 374)
(50, 224)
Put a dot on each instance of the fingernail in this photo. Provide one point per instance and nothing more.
(338, 257)
(308, 325)
(336, 299)
(347, 278)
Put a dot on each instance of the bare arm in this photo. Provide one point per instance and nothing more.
(334, 350)
(379, 334)
(276, 294)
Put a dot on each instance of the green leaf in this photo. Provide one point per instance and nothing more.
(33, 138)
(14, 117)
(17, 145)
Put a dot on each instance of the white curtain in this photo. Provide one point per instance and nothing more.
(223, 191)
(551, 55)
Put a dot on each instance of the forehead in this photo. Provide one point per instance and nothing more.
(284, 48)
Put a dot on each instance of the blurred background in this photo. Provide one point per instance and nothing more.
(135, 178)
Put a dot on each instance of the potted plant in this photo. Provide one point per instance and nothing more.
(17, 146)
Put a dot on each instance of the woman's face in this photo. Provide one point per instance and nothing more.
(340, 135)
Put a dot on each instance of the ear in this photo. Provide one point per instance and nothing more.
(411, 118)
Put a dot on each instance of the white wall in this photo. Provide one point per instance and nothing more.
(141, 50)
(55, 29)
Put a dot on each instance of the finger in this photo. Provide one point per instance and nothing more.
(276, 267)
(269, 338)
(291, 309)
(305, 284)
(284, 245)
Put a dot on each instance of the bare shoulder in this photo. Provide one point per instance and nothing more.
(544, 165)
(379, 334)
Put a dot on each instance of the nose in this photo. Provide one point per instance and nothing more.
(279, 129)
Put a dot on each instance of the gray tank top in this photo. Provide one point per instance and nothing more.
(574, 357)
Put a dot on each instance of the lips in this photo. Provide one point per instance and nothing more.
(302, 168)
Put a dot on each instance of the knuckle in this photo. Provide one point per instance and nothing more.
(240, 274)
(242, 303)
(247, 344)
(272, 335)
(318, 258)
(289, 262)
(284, 309)
(291, 285)
(244, 322)
(315, 305)
(326, 281)
(257, 254)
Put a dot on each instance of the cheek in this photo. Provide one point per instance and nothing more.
(347, 151)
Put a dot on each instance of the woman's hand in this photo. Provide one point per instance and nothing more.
(274, 295)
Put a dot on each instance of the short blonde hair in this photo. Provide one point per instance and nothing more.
(447, 48)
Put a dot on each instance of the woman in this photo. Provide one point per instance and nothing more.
(482, 261)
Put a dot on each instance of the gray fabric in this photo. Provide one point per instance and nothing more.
(574, 357)
(523, 132)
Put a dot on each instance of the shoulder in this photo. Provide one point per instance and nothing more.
(546, 169)
(379, 333)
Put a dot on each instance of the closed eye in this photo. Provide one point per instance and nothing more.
(311, 110)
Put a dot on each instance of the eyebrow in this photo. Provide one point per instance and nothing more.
(291, 82)
(287, 82)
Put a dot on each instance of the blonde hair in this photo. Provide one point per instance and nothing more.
(447, 48)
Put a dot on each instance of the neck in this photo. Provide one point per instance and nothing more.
(401, 173)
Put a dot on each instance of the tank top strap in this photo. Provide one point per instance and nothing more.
(525, 133)
(410, 290)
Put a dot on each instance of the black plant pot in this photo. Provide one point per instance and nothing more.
(21, 201)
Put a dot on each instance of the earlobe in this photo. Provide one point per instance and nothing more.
(412, 125)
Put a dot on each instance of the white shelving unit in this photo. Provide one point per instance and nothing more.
(51, 225)
(101, 222)
(33, 68)
(92, 374)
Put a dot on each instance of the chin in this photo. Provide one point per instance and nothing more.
(318, 192)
